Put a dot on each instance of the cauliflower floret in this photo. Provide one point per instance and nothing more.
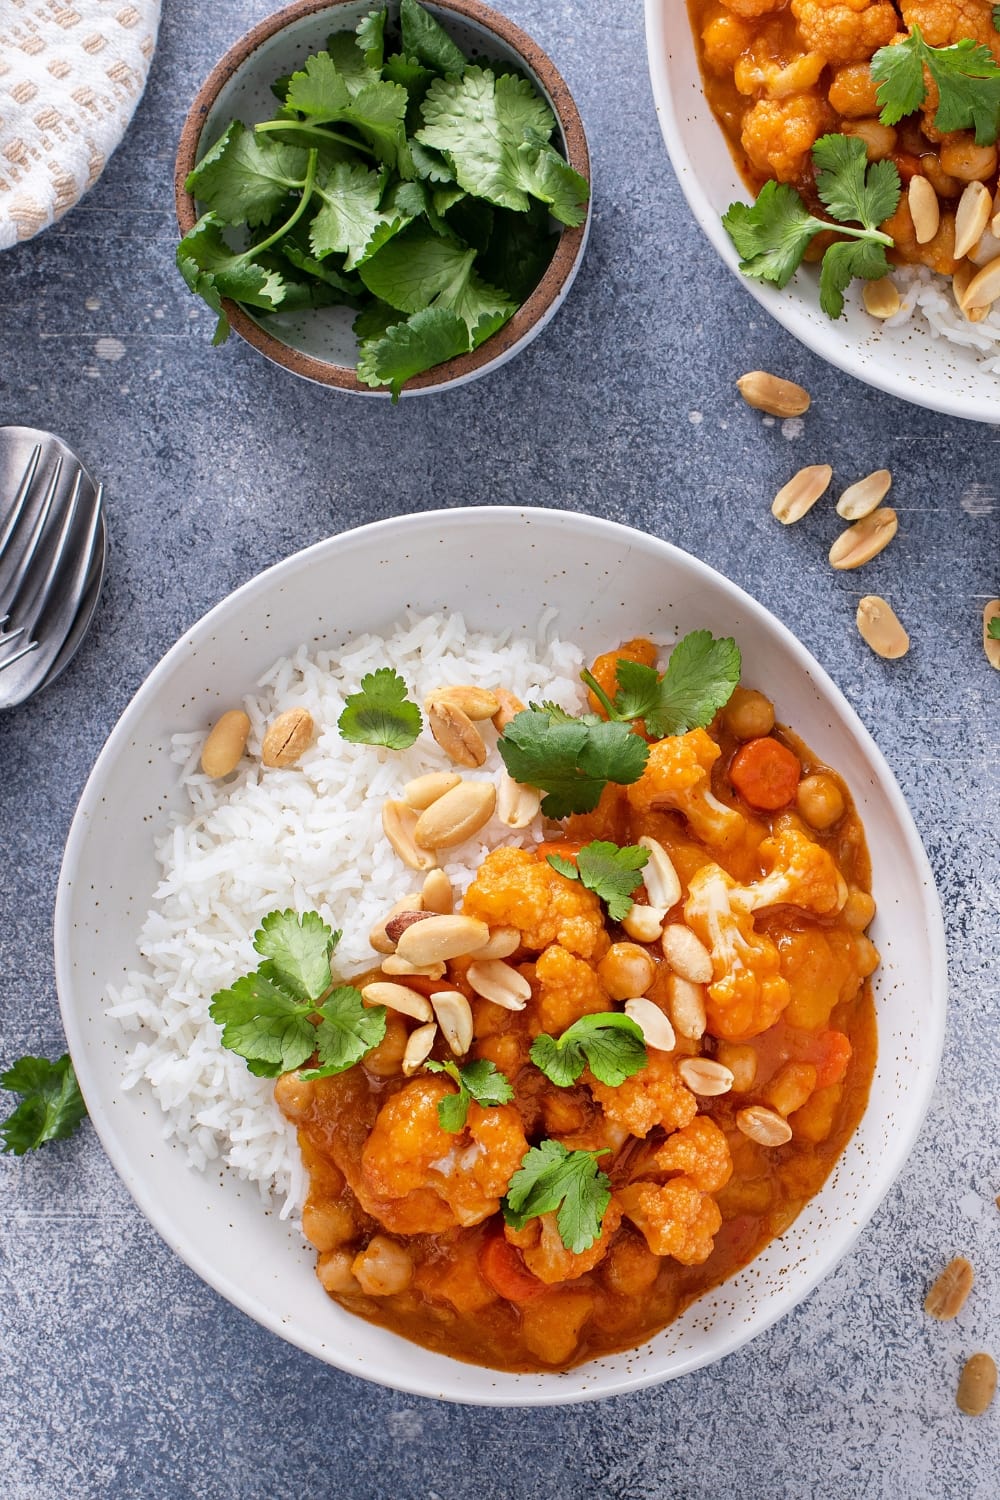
(419, 1178)
(676, 1218)
(778, 134)
(750, 9)
(678, 777)
(943, 22)
(568, 989)
(701, 1152)
(747, 993)
(545, 1255)
(514, 889)
(653, 1096)
(723, 39)
(845, 30)
(770, 68)
(799, 873)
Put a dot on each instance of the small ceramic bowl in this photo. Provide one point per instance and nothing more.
(319, 344)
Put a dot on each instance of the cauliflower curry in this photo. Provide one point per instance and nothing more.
(743, 957)
(781, 73)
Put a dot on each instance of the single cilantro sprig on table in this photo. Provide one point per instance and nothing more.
(410, 185)
(612, 872)
(609, 1043)
(552, 1179)
(269, 1017)
(381, 713)
(51, 1106)
(480, 1080)
(700, 678)
(571, 760)
(966, 75)
(773, 234)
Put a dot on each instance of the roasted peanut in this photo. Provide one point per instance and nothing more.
(226, 742)
(456, 816)
(455, 732)
(287, 738)
(423, 790)
(947, 1296)
(766, 392)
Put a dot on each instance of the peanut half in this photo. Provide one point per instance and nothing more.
(764, 1126)
(438, 938)
(226, 742)
(801, 492)
(287, 738)
(975, 208)
(866, 495)
(456, 816)
(398, 824)
(766, 392)
(864, 540)
(656, 1029)
(686, 954)
(423, 790)
(510, 707)
(704, 1076)
(947, 1296)
(881, 298)
(977, 1385)
(475, 702)
(454, 1016)
(419, 1046)
(379, 937)
(925, 210)
(880, 627)
(499, 983)
(991, 645)
(455, 732)
(398, 997)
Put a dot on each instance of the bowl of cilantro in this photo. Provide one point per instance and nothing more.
(387, 200)
(838, 224)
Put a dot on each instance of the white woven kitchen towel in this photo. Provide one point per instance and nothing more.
(71, 75)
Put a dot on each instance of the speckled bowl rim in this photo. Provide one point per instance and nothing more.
(559, 272)
(461, 1382)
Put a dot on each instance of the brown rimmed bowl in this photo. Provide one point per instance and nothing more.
(319, 344)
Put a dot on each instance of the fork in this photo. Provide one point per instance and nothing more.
(47, 551)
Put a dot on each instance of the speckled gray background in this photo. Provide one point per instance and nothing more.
(120, 1373)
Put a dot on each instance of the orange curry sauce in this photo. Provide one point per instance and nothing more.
(406, 1217)
(780, 73)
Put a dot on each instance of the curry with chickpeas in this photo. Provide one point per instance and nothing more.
(782, 74)
(744, 959)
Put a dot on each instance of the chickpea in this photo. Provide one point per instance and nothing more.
(387, 1058)
(631, 1267)
(626, 971)
(790, 1087)
(294, 1095)
(820, 801)
(383, 1268)
(960, 157)
(859, 909)
(741, 1060)
(334, 1271)
(879, 139)
(328, 1225)
(748, 714)
(943, 185)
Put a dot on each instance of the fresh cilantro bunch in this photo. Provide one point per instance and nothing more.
(701, 676)
(381, 713)
(610, 1044)
(290, 1008)
(479, 1080)
(51, 1106)
(552, 1179)
(612, 872)
(966, 75)
(396, 179)
(773, 234)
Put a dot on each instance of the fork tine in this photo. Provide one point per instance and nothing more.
(8, 661)
(29, 606)
(20, 498)
(29, 553)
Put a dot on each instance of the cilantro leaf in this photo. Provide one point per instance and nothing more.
(554, 1179)
(245, 178)
(370, 33)
(381, 713)
(966, 74)
(205, 260)
(572, 761)
(409, 272)
(298, 950)
(479, 122)
(350, 217)
(479, 1080)
(700, 678)
(428, 42)
(51, 1106)
(518, 250)
(408, 348)
(376, 109)
(348, 1030)
(841, 264)
(773, 234)
(268, 1017)
(851, 187)
(611, 872)
(412, 76)
(610, 1043)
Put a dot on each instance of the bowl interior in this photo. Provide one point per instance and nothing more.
(501, 568)
(908, 361)
(325, 334)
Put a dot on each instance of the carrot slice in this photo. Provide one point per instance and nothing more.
(835, 1054)
(568, 848)
(503, 1267)
(765, 773)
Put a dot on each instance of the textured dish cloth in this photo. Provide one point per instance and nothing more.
(71, 75)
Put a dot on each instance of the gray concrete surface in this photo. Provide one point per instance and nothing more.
(122, 1375)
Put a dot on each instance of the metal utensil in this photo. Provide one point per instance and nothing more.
(53, 545)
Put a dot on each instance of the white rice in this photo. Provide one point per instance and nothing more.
(928, 297)
(309, 838)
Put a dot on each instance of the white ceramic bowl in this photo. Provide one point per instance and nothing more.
(501, 567)
(908, 361)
